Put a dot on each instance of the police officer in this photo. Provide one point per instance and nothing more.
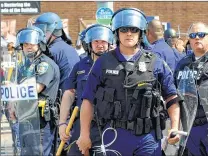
(159, 46)
(169, 35)
(33, 42)
(98, 39)
(124, 87)
(197, 143)
(173, 40)
(64, 55)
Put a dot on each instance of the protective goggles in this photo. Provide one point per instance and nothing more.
(131, 29)
(199, 34)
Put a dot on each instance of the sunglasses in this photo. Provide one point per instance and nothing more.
(126, 29)
(199, 34)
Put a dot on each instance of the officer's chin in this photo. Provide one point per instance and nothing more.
(100, 53)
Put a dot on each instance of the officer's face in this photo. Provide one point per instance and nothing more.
(199, 43)
(99, 46)
(129, 37)
(27, 47)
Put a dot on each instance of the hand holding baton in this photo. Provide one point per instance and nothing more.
(74, 114)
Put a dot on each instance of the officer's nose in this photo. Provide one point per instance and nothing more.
(129, 32)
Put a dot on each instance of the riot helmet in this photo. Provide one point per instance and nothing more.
(98, 32)
(51, 24)
(128, 17)
(170, 33)
(31, 35)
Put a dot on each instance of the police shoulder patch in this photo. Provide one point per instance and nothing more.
(42, 68)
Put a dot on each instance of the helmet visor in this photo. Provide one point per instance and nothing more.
(99, 33)
(28, 36)
(129, 18)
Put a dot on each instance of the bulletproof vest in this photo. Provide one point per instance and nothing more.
(200, 71)
(128, 97)
(202, 83)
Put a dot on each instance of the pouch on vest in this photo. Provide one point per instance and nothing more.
(139, 126)
(156, 104)
(132, 112)
(148, 125)
(105, 105)
(117, 112)
(146, 103)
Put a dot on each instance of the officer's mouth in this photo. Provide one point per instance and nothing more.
(197, 43)
(129, 39)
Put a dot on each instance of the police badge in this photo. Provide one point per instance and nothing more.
(142, 67)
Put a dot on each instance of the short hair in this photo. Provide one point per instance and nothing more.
(197, 23)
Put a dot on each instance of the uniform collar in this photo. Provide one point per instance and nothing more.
(158, 41)
(121, 58)
(204, 57)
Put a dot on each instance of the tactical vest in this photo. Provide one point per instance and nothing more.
(129, 97)
(201, 77)
(202, 84)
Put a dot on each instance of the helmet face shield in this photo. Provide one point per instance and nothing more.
(32, 35)
(50, 18)
(99, 32)
(46, 28)
(28, 36)
(129, 18)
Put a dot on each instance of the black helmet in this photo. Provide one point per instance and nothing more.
(170, 33)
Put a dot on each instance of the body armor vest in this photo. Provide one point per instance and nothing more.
(129, 97)
(200, 70)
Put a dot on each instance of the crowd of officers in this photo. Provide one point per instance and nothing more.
(119, 89)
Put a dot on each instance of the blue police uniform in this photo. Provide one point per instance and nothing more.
(65, 57)
(171, 57)
(77, 80)
(197, 143)
(127, 143)
(78, 77)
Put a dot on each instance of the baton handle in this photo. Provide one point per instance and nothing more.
(74, 114)
(173, 134)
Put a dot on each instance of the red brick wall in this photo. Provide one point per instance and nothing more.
(177, 13)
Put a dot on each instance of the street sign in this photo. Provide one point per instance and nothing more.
(103, 16)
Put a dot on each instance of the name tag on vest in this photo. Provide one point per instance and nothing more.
(112, 72)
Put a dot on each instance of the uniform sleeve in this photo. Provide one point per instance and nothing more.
(165, 77)
(94, 79)
(71, 81)
(45, 73)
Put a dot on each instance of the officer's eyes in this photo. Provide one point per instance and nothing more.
(199, 34)
(131, 29)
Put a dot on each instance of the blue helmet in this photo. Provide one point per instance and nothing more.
(50, 18)
(49, 22)
(32, 35)
(99, 32)
(128, 17)
(170, 33)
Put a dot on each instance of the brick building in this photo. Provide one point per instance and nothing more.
(177, 13)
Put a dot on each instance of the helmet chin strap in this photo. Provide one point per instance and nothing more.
(99, 53)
